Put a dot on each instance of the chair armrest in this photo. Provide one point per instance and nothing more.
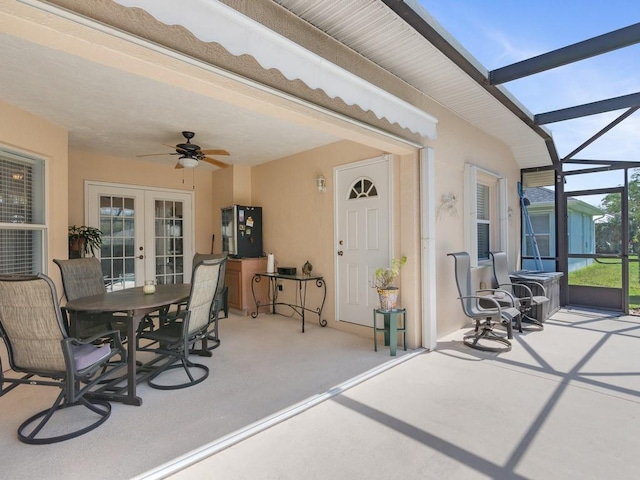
(519, 287)
(114, 334)
(537, 284)
(488, 298)
(499, 294)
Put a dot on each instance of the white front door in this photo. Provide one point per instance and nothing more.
(147, 233)
(363, 235)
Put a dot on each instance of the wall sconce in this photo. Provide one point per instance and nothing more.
(321, 183)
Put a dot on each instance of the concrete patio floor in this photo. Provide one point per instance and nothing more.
(564, 403)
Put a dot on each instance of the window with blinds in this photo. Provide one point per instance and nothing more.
(22, 214)
(483, 204)
(486, 208)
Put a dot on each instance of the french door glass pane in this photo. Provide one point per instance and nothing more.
(118, 242)
(169, 241)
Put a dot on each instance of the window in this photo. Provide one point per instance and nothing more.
(22, 214)
(362, 188)
(483, 219)
(486, 213)
(540, 223)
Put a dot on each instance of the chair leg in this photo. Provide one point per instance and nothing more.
(531, 321)
(179, 363)
(100, 407)
(486, 333)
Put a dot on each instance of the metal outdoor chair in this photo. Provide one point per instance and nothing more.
(521, 292)
(83, 277)
(485, 310)
(32, 327)
(175, 338)
(220, 301)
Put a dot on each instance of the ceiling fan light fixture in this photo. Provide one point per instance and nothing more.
(188, 162)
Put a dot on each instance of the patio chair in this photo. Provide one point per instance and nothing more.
(175, 339)
(483, 309)
(522, 291)
(83, 277)
(220, 301)
(32, 327)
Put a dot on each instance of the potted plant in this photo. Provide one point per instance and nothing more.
(383, 279)
(83, 241)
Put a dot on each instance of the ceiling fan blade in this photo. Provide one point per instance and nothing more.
(215, 152)
(156, 154)
(213, 161)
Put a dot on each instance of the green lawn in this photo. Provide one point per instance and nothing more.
(610, 275)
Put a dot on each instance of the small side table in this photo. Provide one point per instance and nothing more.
(390, 328)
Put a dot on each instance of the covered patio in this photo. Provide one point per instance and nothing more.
(323, 404)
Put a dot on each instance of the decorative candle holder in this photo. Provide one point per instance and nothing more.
(149, 287)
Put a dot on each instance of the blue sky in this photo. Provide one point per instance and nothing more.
(502, 32)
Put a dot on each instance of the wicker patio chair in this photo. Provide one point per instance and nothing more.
(38, 346)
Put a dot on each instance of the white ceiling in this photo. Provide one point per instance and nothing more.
(117, 113)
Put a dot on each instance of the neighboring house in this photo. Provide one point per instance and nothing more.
(582, 218)
(293, 93)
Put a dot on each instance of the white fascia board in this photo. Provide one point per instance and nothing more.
(212, 21)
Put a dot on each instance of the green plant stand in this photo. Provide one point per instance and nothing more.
(391, 328)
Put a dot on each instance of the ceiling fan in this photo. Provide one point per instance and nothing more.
(191, 154)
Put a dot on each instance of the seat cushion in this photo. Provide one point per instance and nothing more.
(88, 354)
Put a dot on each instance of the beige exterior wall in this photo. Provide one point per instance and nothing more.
(92, 166)
(459, 143)
(25, 133)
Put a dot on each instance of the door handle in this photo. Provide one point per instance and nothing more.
(340, 253)
(141, 257)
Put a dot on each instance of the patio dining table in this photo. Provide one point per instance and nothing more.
(135, 304)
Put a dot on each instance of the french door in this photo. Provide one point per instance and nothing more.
(147, 233)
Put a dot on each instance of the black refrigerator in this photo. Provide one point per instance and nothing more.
(242, 231)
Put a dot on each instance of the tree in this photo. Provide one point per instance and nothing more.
(612, 206)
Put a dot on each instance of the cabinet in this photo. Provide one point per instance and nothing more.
(238, 276)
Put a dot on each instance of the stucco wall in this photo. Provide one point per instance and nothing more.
(459, 143)
(26, 133)
(92, 166)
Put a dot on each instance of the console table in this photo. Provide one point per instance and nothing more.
(300, 307)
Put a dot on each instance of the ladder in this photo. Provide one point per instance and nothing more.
(528, 225)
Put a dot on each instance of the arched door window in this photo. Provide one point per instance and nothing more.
(362, 188)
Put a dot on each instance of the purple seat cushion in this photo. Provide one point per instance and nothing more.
(86, 355)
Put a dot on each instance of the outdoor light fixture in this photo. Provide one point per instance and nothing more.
(188, 162)
(321, 183)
